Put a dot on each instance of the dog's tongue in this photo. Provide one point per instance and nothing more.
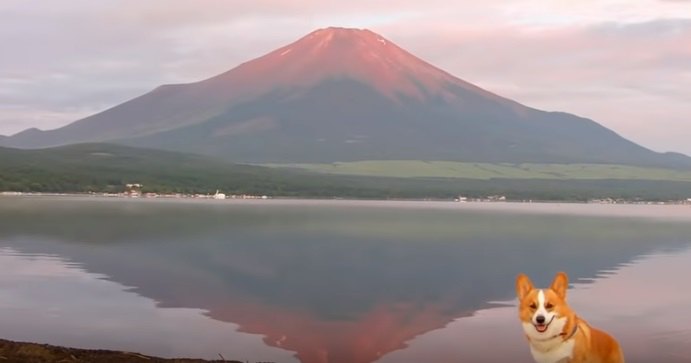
(541, 328)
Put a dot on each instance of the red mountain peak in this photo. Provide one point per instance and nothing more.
(338, 53)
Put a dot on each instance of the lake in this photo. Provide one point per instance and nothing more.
(336, 281)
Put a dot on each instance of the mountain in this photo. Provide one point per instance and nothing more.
(344, 95)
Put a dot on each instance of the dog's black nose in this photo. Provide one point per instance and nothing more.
(540, 319)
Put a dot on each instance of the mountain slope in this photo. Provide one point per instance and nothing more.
(345, 95)
(107, 168)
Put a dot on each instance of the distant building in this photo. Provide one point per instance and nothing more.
(133, 190)
(219, 195)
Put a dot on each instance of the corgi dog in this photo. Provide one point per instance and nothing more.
(555, 333)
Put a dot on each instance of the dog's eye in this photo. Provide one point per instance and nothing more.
(548, 306)
(533, 306)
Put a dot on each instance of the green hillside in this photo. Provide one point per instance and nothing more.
(107, 168)
(452, 169)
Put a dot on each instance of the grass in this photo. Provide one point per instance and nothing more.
(485, 171)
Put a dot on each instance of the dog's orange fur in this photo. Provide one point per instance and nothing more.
(590, 345)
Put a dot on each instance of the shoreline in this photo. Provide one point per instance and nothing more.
(670, 211)
(203, 197)
(13, 351)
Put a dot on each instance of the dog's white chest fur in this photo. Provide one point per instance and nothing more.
(549, 352)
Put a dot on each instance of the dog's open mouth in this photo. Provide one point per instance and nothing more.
(541, 328)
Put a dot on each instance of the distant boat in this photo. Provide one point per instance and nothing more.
(219, 195)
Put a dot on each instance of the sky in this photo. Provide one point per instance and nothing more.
(623, 63)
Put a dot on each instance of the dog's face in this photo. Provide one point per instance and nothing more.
(543, 312)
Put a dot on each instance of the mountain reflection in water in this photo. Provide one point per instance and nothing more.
(347, 282)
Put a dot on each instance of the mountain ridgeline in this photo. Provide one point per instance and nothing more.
(346, 95)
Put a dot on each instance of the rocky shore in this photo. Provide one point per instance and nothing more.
(22, 352)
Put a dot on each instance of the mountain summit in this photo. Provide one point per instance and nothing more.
(333, 53)
(342, 94)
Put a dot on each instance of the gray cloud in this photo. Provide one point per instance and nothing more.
(658, 28)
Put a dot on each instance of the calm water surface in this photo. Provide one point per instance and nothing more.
(341, 282)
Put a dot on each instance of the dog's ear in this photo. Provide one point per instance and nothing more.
(523, 286)
(560, 284)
